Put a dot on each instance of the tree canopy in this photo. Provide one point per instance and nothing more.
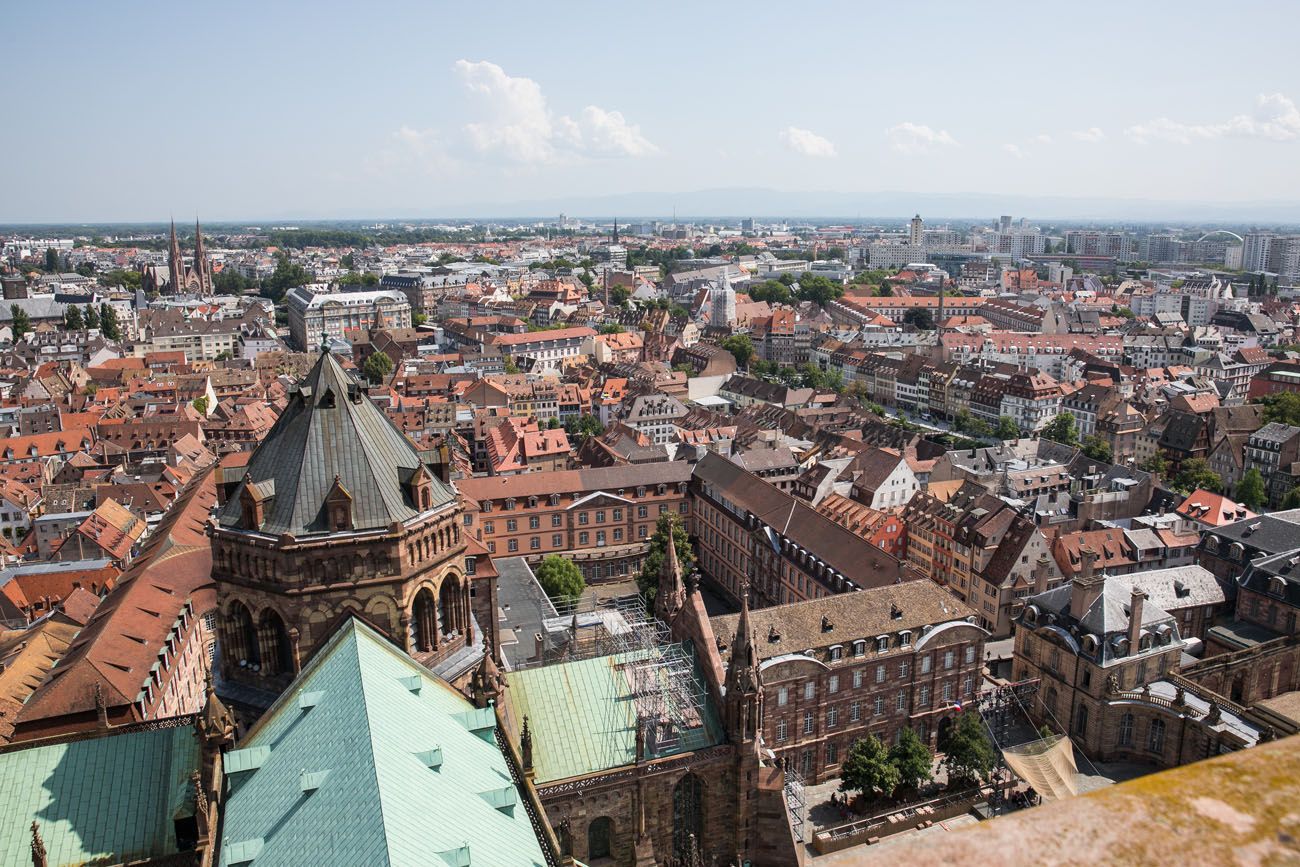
(1097, 448)
(1251, 491)
(969, 757)
(913, 759)
(868, 769)
(21, 323)
(72, 318)
(818, 289)
(648, 579)
(560, 578)
(741, 347)
(108, 322)
(580, 427)
(1062, 429)
(919, 318)
(1007, 428)
(1195, 474)
(377, 367)
(1281, 406)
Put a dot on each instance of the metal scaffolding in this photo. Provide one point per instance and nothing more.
(795, 801)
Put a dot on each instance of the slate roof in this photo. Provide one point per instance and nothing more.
(403, 770)
(331, 429)
(865, 614)
(103, 799)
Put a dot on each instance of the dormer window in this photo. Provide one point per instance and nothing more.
(904, 638)
(882, 644)
(338, 506)
(1277, 585)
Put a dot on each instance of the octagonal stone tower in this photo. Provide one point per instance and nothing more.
(336, 513)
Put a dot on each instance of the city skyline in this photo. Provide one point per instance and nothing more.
(275, 112)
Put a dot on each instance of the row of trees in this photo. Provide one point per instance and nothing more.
(878, 771)
(74, 319)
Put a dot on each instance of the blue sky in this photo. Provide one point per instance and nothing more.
(137, 110)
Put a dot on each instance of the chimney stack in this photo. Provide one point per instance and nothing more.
(1041, 569)
(1086, 586)
(1136, 604)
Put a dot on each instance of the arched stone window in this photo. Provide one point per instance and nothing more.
(277, 648)
(449, 605)
(599, 834)
(244, 650)
(424, 619)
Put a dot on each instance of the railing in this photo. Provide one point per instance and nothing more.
(901, 818)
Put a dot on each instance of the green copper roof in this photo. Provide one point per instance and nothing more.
(330, 428)
(374, 772)
(583, 717)
(110, 798)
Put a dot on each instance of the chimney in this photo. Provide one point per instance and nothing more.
(1135, 606)
(1086, 587)
(1041, 569)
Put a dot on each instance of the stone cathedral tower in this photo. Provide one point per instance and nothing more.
(339, 513)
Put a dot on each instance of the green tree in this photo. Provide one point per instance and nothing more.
(1195, 474)
(771, 291)
(1281, 406)
(92, 316)
(560, 578)
(1062, 430)
(508, 364)
(818, 289)
(913, 759)
(648, 579)
(618, 295)
(867, 769)
(287, 275)
(1292, 499)
(1007, 428)
(228, 281)
(72, 318)
(122, 277)
(580, 427)
(348, 261)
(611, 328)
(1251, 492)
(969, 757)
(919, 318)
(552, 423)
(108, 322)
(1097, 448)
(21, 323)
(51, 260)
(201, 404)
(418, 319)
(740, 346)
(1156, 465)
(377, 367)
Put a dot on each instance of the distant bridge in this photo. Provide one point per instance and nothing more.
(1221, 232)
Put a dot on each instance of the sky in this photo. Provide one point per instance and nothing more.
(238, 110)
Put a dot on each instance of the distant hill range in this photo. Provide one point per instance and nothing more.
(757, 202)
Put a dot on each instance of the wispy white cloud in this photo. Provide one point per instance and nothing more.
(1015, 150)
(913, 138)
(807, 143)
(520, 127)
(1275, 118)
(1091, 134)
(1042, 138)
(516, 126)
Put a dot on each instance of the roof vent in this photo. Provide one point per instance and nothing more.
(413, 683)
(310, 782)
(247, 759)
(458, 857)
(308, 700)
(503, 799)
(245, 851)
(432, 759)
